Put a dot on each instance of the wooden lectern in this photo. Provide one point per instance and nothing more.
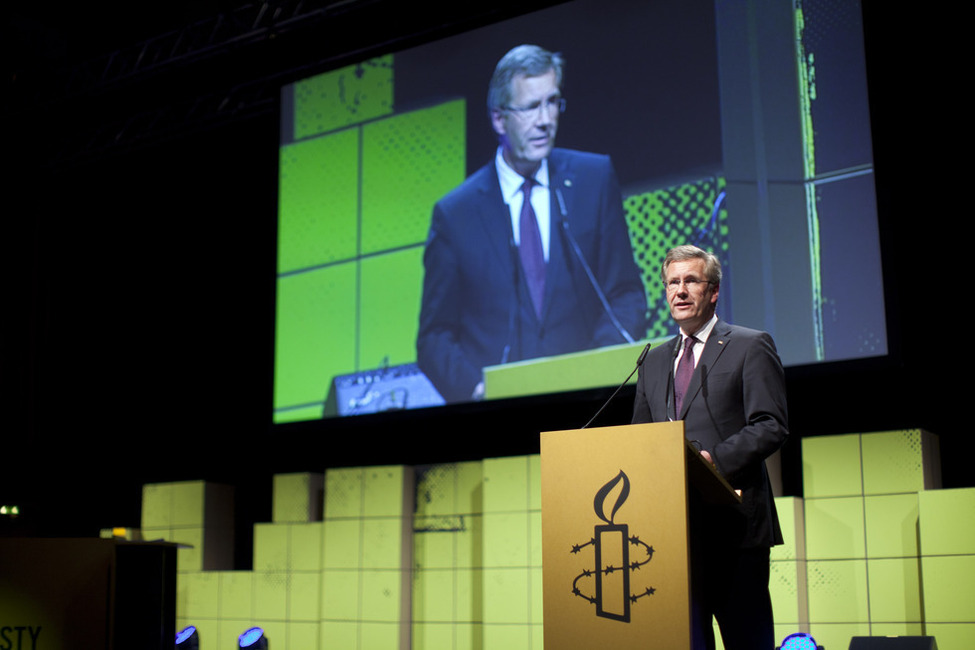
(615, 570)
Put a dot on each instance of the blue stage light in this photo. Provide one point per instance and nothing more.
(799, 641)
(253, 639)
(188, 638)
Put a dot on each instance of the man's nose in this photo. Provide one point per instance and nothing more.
(544, 117)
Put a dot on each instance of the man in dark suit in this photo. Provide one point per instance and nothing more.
(508, 279)
(727, 384)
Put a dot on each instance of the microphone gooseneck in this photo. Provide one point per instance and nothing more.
(513, 308)
(671, 387)
(577, 251)
(639, 362)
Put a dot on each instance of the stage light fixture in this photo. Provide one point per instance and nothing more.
(799, 641)
(252, 639)
(188, 638)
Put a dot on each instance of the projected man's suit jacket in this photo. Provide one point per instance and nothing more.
(476, 309)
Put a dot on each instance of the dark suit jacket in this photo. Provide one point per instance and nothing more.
(736, 408)
(476, 310)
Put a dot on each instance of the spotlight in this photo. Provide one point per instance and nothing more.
(252, 639)
(188, 638)
(799, 641)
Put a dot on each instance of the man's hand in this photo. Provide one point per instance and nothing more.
(708, 458)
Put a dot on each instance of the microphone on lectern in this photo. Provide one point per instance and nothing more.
(639, 362)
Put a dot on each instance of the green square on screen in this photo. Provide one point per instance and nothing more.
(392, 285)
(409, 162)
(318, 201)
(315, 336)
(343, 97)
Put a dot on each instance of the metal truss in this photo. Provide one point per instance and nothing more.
(219, 35)
(224, 68)
(185, 80)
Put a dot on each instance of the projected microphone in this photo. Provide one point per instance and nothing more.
(708, 230)
(639, 362)
(513, 309)
(589, 274)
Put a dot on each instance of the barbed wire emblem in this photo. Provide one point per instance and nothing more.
(612, 544)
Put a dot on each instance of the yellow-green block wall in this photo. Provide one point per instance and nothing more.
(866, 571)
(297, 498)
(477, 556)
(787, 572)
(947, 546)
(512, 550)
(448, 559)
(367, 554)
(875, 563)
(197, 515)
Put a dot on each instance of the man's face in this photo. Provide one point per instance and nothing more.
(691, 298)
(528, 124)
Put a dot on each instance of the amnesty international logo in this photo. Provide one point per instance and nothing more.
(617, 558)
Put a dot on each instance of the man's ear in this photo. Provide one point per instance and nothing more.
(497, 121)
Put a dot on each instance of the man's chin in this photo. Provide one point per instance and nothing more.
(530, 159)
(542, 152)
(685, 320)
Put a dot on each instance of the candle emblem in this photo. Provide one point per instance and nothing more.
(617, 555)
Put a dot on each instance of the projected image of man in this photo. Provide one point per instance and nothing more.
(530, 256)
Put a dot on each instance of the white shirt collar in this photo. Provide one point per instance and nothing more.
(705, 331)
(511, 181)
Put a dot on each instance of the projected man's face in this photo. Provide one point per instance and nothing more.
(527, 125)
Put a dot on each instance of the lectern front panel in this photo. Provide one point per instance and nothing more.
(614, 537)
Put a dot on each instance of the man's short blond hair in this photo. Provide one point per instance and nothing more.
(712, 266)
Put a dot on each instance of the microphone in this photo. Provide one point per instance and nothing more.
(671, 398)
(639, 362)
(589, 274)
(707, 405)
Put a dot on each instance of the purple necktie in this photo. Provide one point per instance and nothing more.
(530, 249)
(685, 368)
